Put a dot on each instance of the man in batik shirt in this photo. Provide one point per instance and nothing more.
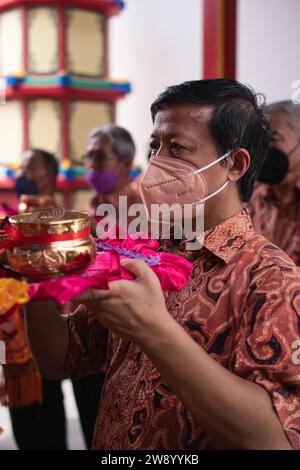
(216, 365)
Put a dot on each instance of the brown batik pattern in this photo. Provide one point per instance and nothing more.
(276, 219)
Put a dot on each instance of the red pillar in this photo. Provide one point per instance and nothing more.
(220, 20)
(24, 40)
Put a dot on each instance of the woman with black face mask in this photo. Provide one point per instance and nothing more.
(35, 404)
(275, 204)
(24, 185)
(276, 166)
(35, 185)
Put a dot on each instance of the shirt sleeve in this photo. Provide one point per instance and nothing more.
(267, 346)
(87, 344)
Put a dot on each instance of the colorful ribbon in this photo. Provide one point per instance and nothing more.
(150, 260)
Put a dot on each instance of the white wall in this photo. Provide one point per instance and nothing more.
(153, 43)
(269, 46)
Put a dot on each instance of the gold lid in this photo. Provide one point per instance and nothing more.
(53, 215)
(50, 221)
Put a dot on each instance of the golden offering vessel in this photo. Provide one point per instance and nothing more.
(54, 243)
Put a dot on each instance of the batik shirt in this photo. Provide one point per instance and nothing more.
(242, 306)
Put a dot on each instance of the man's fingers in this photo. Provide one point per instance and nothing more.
(136, 267)
(97, 294)
(92, 294)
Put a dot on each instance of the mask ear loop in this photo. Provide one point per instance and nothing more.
(201, 201)
(213, 194)
(195, 172)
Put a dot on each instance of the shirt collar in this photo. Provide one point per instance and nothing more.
(229, 236)
(223, 241)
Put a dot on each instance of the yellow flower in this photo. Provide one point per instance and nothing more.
(12, 292)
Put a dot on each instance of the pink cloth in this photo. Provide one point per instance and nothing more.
(173, 271)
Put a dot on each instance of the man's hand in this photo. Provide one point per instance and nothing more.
(133, 309)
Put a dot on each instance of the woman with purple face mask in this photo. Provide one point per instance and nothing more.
(102, 180)
(109, 157)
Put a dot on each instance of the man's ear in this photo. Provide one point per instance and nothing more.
(237, 164)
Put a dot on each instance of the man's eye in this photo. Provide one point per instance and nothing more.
(176, 148)
(153, 148)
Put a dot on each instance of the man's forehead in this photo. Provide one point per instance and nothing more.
(183, 115)
(182, 120)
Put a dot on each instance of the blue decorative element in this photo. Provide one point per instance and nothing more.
(134, 173)
(12, 80)
(120, 3)
(124, 87)
(150, 260)
(64, 80)
(10, 173)
(68, 173)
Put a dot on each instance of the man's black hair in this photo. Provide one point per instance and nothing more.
(238, 119)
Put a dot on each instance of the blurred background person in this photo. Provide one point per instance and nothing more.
(275, 204)
(109, 159)
(36, 404)
(39, 171)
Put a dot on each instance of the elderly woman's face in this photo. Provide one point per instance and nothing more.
(284, 135)
(100, 154)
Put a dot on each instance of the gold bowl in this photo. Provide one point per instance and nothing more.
(54, 243)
